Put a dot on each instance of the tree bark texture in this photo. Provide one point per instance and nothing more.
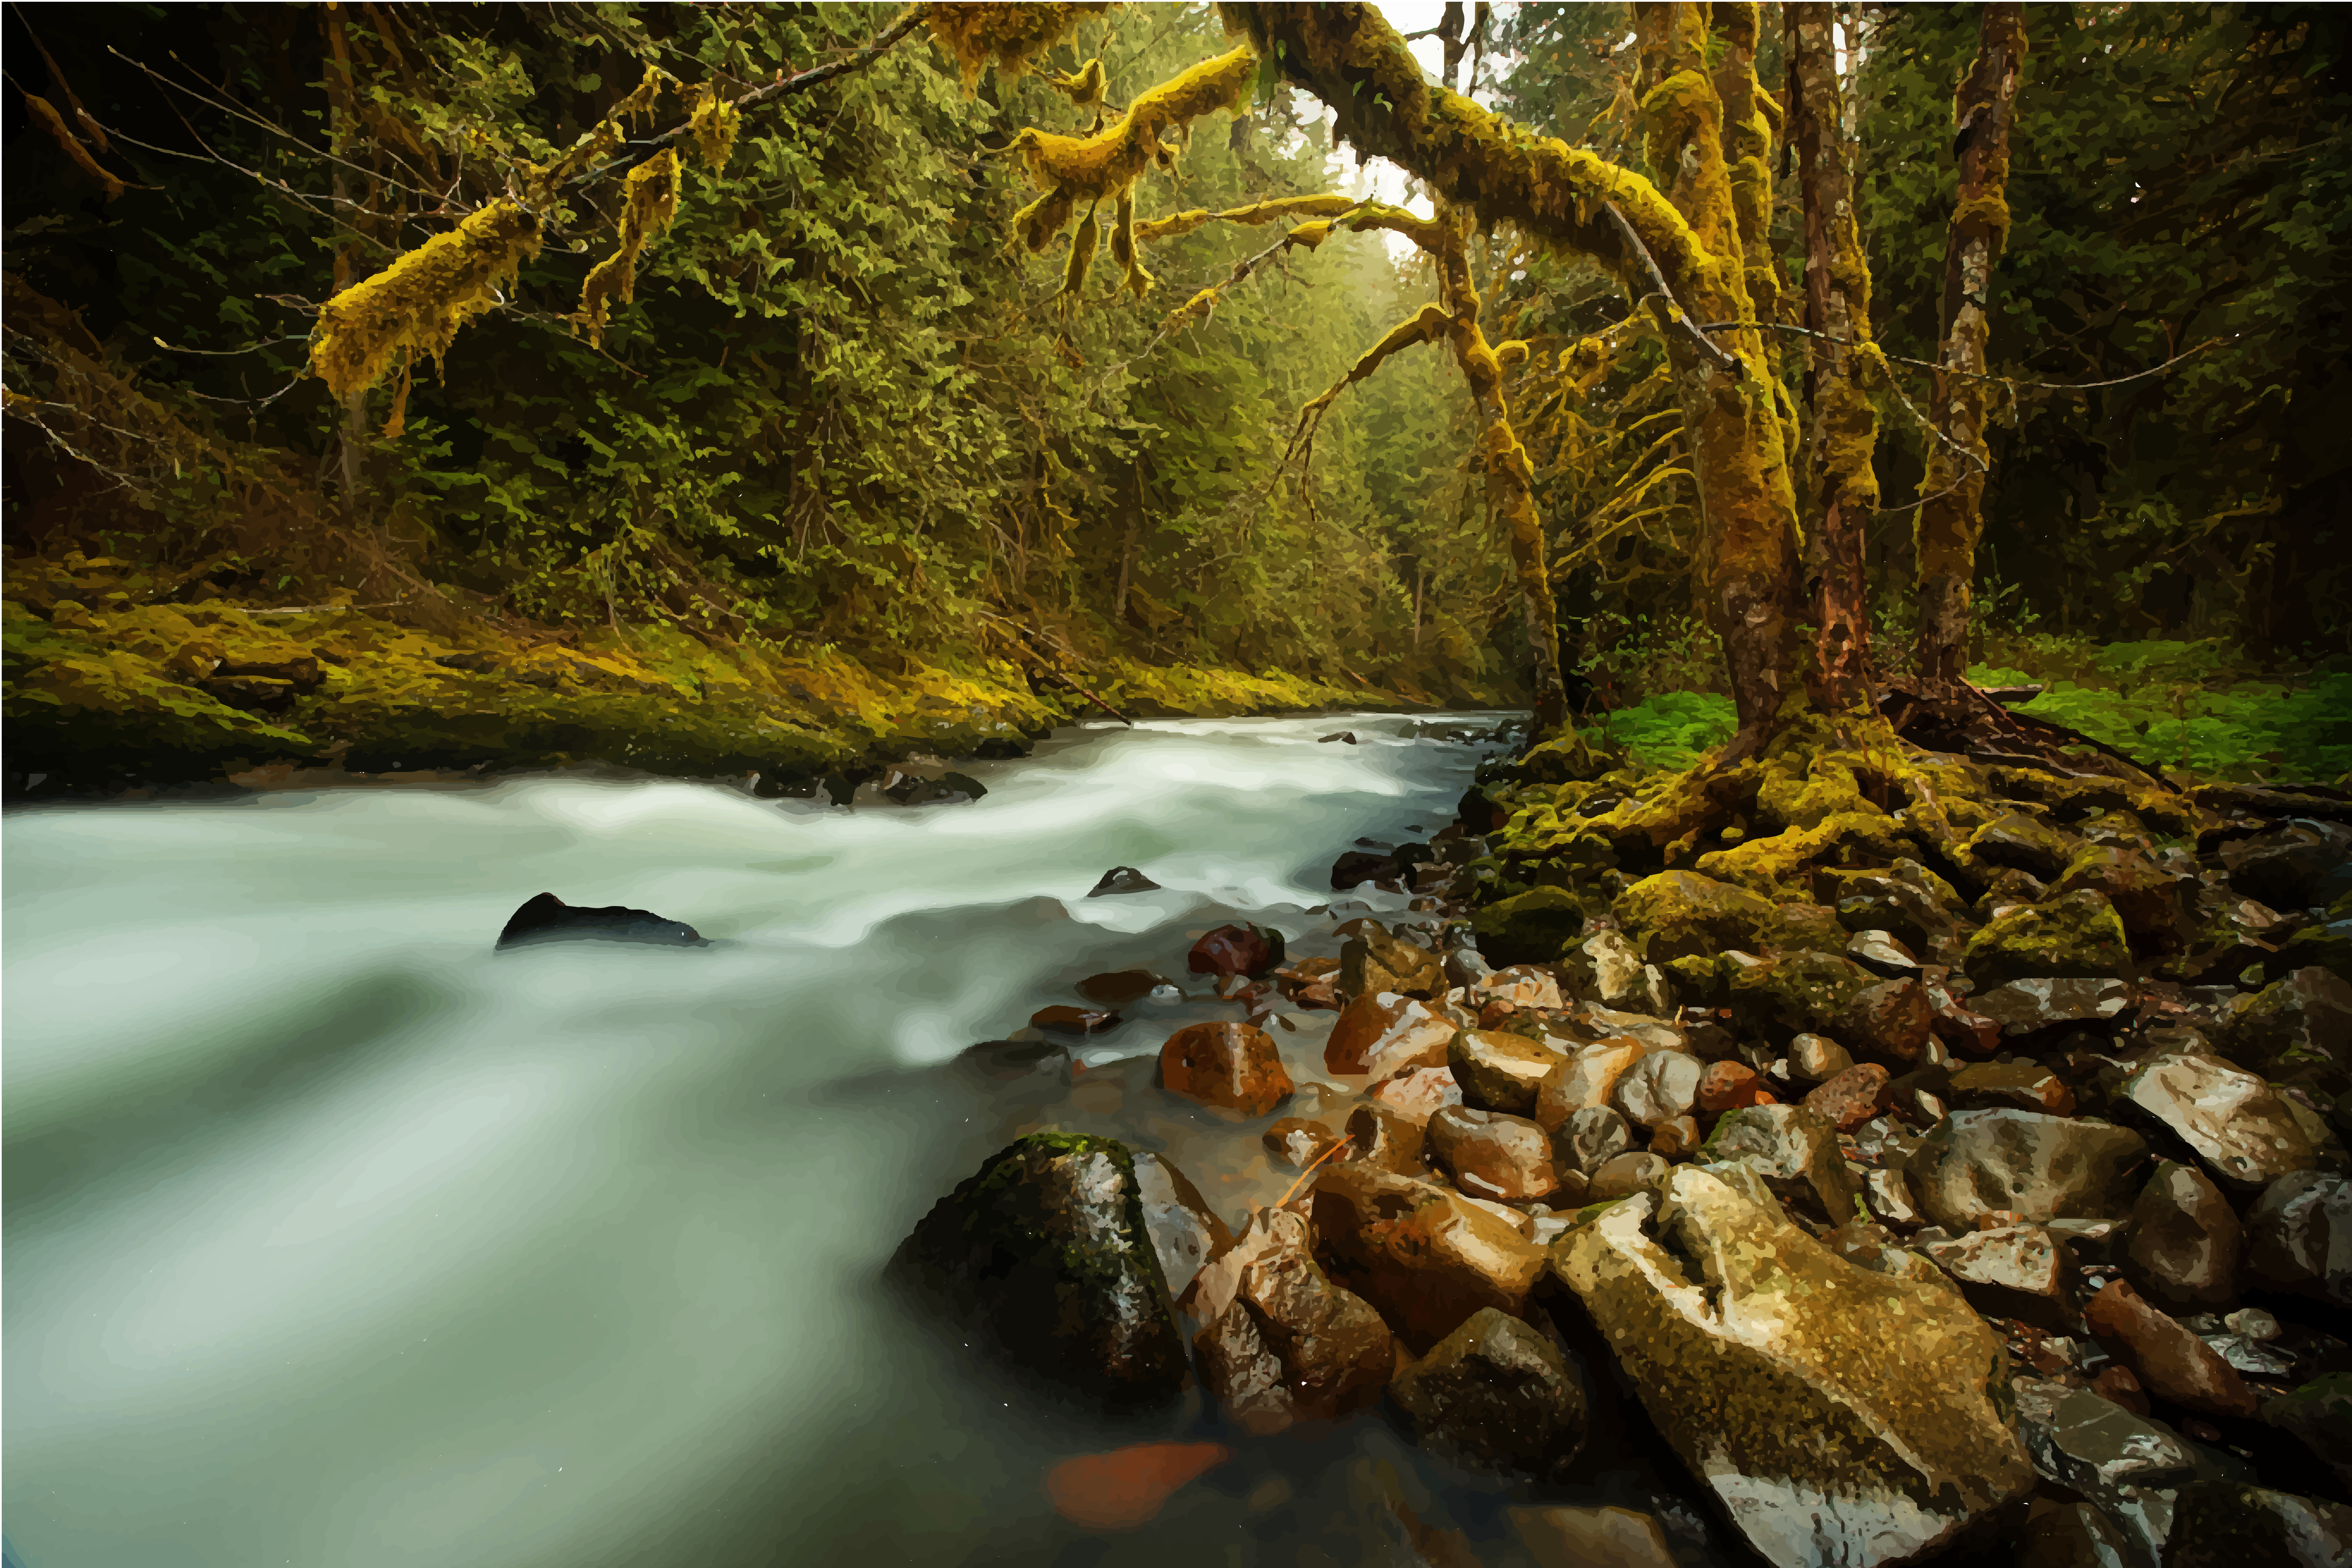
(1841, 487)
(1952, 517)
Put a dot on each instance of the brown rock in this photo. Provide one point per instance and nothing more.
(1676, 1140)
(1566, 1537)
(1591, 1138)
(1311, 982)
(1963, 1032)
(2118, 1386)
(1852, 1098)
(1073, 1020)
(1235, 950)
(1230, 1066)
(1298, 1141)
(1120, 987)
(1817, 1058)
(1385, 1034)
(1416, 1095)
(1425, 1258)
(2184, 1239)
(1283, 1342)
(1584, 1082)
(1493, 1156)
(2010, 1271)
(1379, 1137)
(2170, 1362)
(2017, 1085)
(1500, 1071)
(1374, 961)
(1728, 1085)
(1497, 1392)
(1890, 1023)
(1625, 1175)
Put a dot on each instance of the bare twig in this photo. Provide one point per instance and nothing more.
(1722, 358)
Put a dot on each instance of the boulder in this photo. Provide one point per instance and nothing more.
(1625, 1175)
(1427, 1260)
(1049, 1244)
(2154, 904)
(2020, 842)
(2122, 1460)
(2236, 1123)
(1817, 1058)
(1417, 1094)
(546, 918)
(2283, 866)
(1878, 951)
(2231, 1524)
(1738, 1330)
(1356, 867)
(1230, 1066)
(1975, 1162)
(2170, 1361)
(2073, 935)
(1493, 1156)
(1120, 988)
(1283, 1343)
(1583, 1082)
(1793, 1151)
(1345, 737)
(2011, 1271)
(1797, 993)
(1679, 913)
(1380, 1138)
(1184, 1230)
(1907, 913)
(1656, 1090)
(1122, 879)
(1385, 1034)
(1591, 1138)
(2295, 1029)
(1498, 1071)
(1250, 949)
(1373, 961)
(2009, 1086)
(1064, 1020)
(1852, 1098)
(2184, 1244)
(1890, 1023)
(2299, 1236)
(1532, 927)
(1496, 1392)
(2023, 1007)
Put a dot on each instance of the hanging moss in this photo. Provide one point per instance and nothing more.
(416, 304)
(1007, 37)
(1178, 224)
(712, 126)
(649, 202)
(1083, 86)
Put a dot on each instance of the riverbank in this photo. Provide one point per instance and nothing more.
(108, 689)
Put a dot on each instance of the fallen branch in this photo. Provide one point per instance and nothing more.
(1723, 359)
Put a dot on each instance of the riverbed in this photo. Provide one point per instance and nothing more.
(333, 1239)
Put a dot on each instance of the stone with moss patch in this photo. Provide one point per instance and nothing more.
(2076, 935)
(1533, 927)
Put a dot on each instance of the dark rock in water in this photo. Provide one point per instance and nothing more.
(1008, 1061)
(1250, 950)
(1345, 737)
(1123, 880)
(1284, 1343)
(1120, 987)
(1001, 748)
(1497, 1392)
(1073, 1020)
(1230, 1066)
(1049, 1243)
(2229, 1524)
(548, 918)
(1356, 867)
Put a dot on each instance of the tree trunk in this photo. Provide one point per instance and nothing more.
(1952, 518)
(1841, 487)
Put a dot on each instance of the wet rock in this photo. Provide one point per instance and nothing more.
(2117, 1384)
(1521, 985)
(1730, 1086)
(2008, 891)
(1563, 1537)
(1426, 1259)
(1499, 1071)
(1250, 950)
(1533, 927)
(2295, 1029)
(1380, 1138)
(1908, 913)
(1736, 1329)
(1962, 1031)
(2235, 1122)
(1661, 1087)
(1889, 1196)
(2074, 1535)
(1127, 1485)
(1122, 879)
(2319, 1415)
(1284, 1343)
(2012, 1271)
(2025, 1007)
(1890, 1024)
(1596, 1023)
(1878, 951)
(1625, 1175)
(2124, 1462)
(1374, 961)
(1497, 1392)
(1049, 1243)
(2230, 1524)
(2299, 1236)
(2283, 866)
(1345, 737)
(1230, 1066)
(2023, 843)
(1063, 1020)
(1297, 1141)
(1418, 1094)
(2169, 1362)
(2011, 1086)
(1678, 913)
(1817, 1058)
(1120, 988)
(1975, 1162)
(1795, 1153)
(2153, 903)
(2073, 935)
(1799, 993)
(1500, 1157)
(1182, 1228)
(1583, 1082)
(1311, 982)
(546, 918)
(1591, 1138)
(1382, 1034)
(1676, 1140)
(1852, 1098)
(1356, 867)
(1620, 979)
(2184, 1239)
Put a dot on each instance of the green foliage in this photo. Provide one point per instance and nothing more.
(1670, 730)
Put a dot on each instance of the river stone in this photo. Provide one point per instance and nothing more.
(2170, 1361)
(2124, 1461)
(1498, 1393)
(1564, 1537)
(1417, 1095)
(1380, 1138)
(1796, 994)
(1963, 1031)
(2235, 1122)
(1976, 1162)
(2022, 842)
(2319, 1415)
(1184, 1231)
(1532, 927)
(1620, 977)
(2074, 1535)
(2230, 1524)
(1297, 1141)
(1730, 1086)
(1229, 1065)
(1591, 1138)
(1500, 1157)
(1374, 961)
(1794, 1151)
(1250, 950)
(1909, 914)
(1659, 1088)
(1584, 1082)
(2283, 866)
(1817, 1058)
(1122, 987)
(2024, 1007)
(1521, 984)
(1890, 1024)
(1050, 1244)
(1680, 913)
(2011, 1271)
(1889, 1196)
(1385, 1034)
(544, 917)
(2184, 1239)
(2299, 1236)
(1499, 1071)
(1878, 951)
(2011, 1086)
(1607, 1024)
(1122, 879)
(2295, 1029)
(1426, 1259)
(2152, 902)
(1626, 1174)
(1738, 1330)
(1852, 1098)
(1283, 1343)
(2072, 936)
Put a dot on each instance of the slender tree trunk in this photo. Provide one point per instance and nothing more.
(1840, 488)
(1952, 518)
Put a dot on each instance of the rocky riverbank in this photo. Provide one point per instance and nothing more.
(1993, 1199)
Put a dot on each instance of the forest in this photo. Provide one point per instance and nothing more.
(1793, 553)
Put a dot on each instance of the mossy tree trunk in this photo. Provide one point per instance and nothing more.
(1952, 518)
(1840, 487)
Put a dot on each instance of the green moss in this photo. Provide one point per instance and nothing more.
(1534, 926)
(1798, 992)
(2077, 935)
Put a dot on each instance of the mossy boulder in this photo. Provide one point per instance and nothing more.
(1797, 993)
(1048, 1245)
(1533, 927)
(1677, 913)
(2074, 935)
(2298, 1029)
(2153, 903)
(2024, 843)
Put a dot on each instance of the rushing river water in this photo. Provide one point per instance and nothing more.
(333, 1239)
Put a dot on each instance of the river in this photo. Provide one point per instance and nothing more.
(334, 1240)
